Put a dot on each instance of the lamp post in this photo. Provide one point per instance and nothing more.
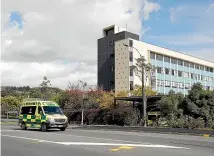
(84, 98)
(82, 111)
(144, 103)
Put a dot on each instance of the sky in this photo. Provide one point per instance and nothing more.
(58, 38)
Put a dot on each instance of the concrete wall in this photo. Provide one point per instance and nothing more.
(122, 71)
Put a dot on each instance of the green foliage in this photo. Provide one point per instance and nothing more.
(138, 91)
(170, 105)
(10, 103)
(199, 103)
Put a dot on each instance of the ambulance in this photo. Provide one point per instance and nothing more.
(43, 115)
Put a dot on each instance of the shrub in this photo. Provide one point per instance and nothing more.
(211, 123)
(132, 117)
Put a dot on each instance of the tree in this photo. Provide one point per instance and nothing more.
(170, 105)
(199, 103)
(10, 103)
(106, 100)
(138, 91)
(143, 70)
(45, 88)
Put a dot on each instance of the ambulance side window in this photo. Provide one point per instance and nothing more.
(30, 110)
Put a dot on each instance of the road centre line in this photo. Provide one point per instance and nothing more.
(97, 144)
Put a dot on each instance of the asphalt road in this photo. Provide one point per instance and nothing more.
(76, 142)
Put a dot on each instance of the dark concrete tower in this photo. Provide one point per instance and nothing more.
(106, 50)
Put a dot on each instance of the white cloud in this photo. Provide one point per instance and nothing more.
(61, 30)
(148, 8)
(59, 73)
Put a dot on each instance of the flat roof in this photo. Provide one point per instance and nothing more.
(177, 51)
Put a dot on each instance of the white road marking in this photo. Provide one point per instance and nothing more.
(98, 138)
(81, 136)
(153, 135)
(97, 144)
(8, 130)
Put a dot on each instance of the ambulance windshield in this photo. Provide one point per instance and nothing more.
(52, 110)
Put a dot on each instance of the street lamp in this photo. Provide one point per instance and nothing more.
(84, 98)
(144, 104)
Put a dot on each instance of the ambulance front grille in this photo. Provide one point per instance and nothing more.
(59, 120)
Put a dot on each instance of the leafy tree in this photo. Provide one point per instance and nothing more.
(10, 103)
(138, 91)
(199, 103)
(170, 105)
(106, 100)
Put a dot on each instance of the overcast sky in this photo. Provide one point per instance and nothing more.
(58, 38)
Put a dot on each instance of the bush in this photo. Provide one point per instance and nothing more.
(132, 117)
(211, 123)
(162, 122)
(199, 123)
(196, 123)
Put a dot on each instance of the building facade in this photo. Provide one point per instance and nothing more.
(174, 71)
(106, 54)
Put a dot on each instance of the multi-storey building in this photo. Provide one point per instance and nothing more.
(106, 54)
(174, 70)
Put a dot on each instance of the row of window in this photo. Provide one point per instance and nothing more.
(181, 85)
(179, 73)
(168, 59)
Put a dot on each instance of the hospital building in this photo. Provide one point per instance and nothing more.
(118, 49)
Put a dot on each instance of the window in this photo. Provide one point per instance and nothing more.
(111, 55)
(191, 65)
(52, 110)
(111, 83)
(29, 110)
(159, 57)
(131, 85)
(167, 71)
(112, 69)
(173, 61)
(152, 55)
(197, 66)
(211, 70)
(173, 72)
(186, 64)
(130, 43)
(180, 73)
(159, 70)
(131, 56)
(192, 76)
(166, 59)
(131, 72)
(201, 67)
(207, 68)
(180, 62)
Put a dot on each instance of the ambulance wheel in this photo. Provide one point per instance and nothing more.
(62, 129)
(23, 126)
(44, 127)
